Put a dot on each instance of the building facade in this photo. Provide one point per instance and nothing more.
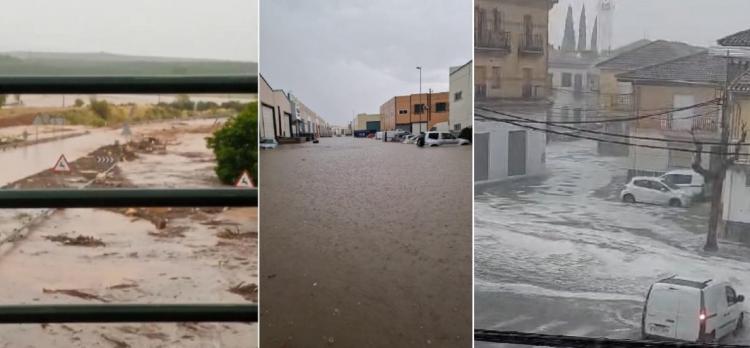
(677, 84)
(415, 113)
(368, 122)
(511, 53)
(285, 118)
(511, 49)
(276, 120)
(461, 106)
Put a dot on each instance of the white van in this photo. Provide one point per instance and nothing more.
(686, 179)
(691, 310)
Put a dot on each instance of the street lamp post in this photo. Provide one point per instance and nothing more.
(421, 109)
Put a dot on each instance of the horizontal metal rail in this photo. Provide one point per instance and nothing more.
(532, 339)
(123, 198)
(224, 84)
(128, 313)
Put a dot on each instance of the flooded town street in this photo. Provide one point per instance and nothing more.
(133, 255)
(372, 240)
(563, 255)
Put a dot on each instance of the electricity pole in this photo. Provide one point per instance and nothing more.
(421, 106)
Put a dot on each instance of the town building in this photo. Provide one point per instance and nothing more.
(415, 113)
(736, 190)
(367, 122)
(511, 75)
(511, 50)
(460, 92)
(616, 97)
(575, 87)
(676, 84)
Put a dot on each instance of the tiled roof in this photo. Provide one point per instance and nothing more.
(697, 68)
(739, 39)
(653, 53)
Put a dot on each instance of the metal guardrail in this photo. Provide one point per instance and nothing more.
(128, 84)
(532, 339)
(124, 198)
(90, 198)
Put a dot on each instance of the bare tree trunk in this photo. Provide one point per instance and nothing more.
(717, 184)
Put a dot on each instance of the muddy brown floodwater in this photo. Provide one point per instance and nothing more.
(365, 244)
(201, 255)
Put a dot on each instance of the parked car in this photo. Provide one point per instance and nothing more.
(268, 143)
(410, 139)
(691, 310)
(687, 180)
(443, 138)
(653, 190)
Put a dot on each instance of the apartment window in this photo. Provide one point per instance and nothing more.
(403, 112)
(441, 107)
(457, 126)
(495, 77)
(567, 80)
(418, 108)
(747, 179)
(457, 96)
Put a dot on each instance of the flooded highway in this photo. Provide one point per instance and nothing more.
(366, 244)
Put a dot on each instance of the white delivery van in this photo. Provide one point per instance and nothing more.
(686, 179)
(691, 310)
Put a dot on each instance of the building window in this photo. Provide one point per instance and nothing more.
(457, 96)
(418, 108)
(457, 126)
(747, 179)
(577, 114)
(403, 112)
(567, 80)
(441, 107)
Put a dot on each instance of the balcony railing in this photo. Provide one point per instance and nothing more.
(532, 44)
(622, 101)
(702, 124)
(494, 41)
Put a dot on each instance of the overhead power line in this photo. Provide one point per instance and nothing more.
(616, 142)
(619, 119)
(625, 136)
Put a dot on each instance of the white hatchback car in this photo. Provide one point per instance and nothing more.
(691, 310)
(443, 138)
(652, 190)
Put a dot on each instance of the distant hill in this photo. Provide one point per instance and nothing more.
(53, 63)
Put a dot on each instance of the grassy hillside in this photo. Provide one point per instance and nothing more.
(23, 63)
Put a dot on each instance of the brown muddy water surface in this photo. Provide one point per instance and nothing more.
(197, 257)
(366, 244)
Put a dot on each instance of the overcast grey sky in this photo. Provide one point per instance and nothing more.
(697, 22)
(220, 29)
(345, 56)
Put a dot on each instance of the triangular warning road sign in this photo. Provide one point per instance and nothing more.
(62, 165)
(245, 181)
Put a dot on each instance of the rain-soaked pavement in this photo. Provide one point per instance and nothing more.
(188, 262)
(365, 244)
(560, 254)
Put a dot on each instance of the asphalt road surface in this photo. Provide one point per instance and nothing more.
(365, 244)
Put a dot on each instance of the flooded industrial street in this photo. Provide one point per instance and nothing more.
(366, 244)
